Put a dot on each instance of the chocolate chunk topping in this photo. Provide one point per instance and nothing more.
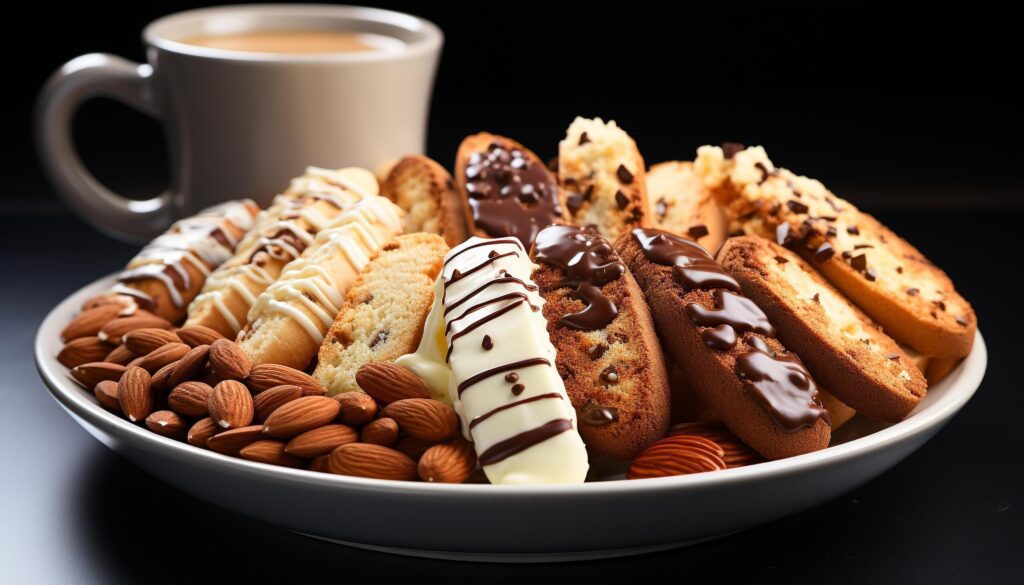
(899, 270)
(870, 274)
(731, 148)
(595, 415)
(913, 291)
(893, 356)
(824, 252)
(574, 201)
(941, 305)
(817, 298)
(487, 343)
(698, 231)
(775, 208)
(517, 389)
(584, 139)
(862, 246)
(796, 206)
(853, 230)
(781, 259)
(379, 338)
(625, 177)
(831, 231)
(621, 200)
(859, 262)
(765, 173)
(511, 377)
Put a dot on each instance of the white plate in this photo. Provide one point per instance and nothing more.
(511, 523)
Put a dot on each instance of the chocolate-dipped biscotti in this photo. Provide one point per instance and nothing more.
(726, 345)
(608, 354)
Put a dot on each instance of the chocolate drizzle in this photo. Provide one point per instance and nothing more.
(587, 262)
(504, 449)
(692, 266)
(495, 411)
(737, 312)
(595, 415)
(539, 361)
(783, 387)
(509, 193)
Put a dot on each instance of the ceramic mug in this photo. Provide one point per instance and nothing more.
(240, 124)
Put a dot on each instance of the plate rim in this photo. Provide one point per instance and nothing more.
(966, 378)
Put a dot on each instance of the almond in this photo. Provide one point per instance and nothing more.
(301, 415)
(83, 350)
(231, 442)
(93, 373)
(127, 304)
(189, 366)
(89, 322)
(321, 441)
(115, 330)
(388, 382)
(269, 400)
(737, 453)
(265, 376)
(412, 447)
(197, 335)
(160, 357)
(166, 423)
(374, 461)
(319, 464)
(134, 395)
(450, 462)
(357, 408)
(190, 399)
(677, 455)
(201, 431)
(143, 341)
(119, 355)
(160, 378)
(383, 431)
(106, 394)
(423, 418)
(228, 361)
(271, 452)
(231, 405)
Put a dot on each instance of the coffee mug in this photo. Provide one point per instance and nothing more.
(241, 123)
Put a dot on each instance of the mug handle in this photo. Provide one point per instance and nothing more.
(96, 75)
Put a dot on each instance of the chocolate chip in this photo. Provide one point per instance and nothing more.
(379, 338)
(962, 320)
(941, 305)
(796, 193)
(518, 389)
(893, 356)
(574, 202)
(621, 199)
(598, 350)
(859, 262)
(553, 164)
(492, 254)
(731, 148)
(862, 246)
(736, 233)
(913, 291)
(899, 269)
(588, 192)
(782, 236)
(817, 298)
(796, 206)
(511, 377)
(610, 375)
(625, 177)
(774, 209)
(584, 139)
(853, 230)
(698, 231)
(824, 252)
(636, 216)
(487, 343)
(831, 232)
(870, 274)
(781, 259)
(765, 173)
(847, 254)
(661, 208)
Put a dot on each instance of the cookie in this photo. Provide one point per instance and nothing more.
(726, 346)
(890, 280)
(844, 350)
(608, 354)
(426, 192)
(681, 204)
(602, 174)
(506, 190)
(384, 310)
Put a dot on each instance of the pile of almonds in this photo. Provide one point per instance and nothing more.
(193, 385)
(693, 447)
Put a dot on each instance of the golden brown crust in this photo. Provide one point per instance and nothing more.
(426, 192)
(680, 203)
(843, 349)
(939, 368)
(712, 372)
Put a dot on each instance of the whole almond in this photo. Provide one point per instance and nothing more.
(189, 366)
(93, 373)
(677, 455)
(374, 461)
(228, 361)
(388, 382)
(160, 379)
(106, 394)
(357, 408)
(115, 330)
(300, 415)
(201, 431)
(450, 462)
(383, 431)
(412, 447)
(231, 405)
(269, 400)
(231, 442)
(127, 304)
(266, 376)
(190, 399)
(197, 335)
(321, 441)
(143, 341)
(161, 356)
(134, 395)
(83, 350)
(424, 418)
(271, 452)
(166, 423)
(89, 322)
(119, 355)
(319, 464)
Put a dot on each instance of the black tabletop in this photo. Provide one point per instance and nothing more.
(72, 511)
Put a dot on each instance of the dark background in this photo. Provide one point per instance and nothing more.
(910, 111)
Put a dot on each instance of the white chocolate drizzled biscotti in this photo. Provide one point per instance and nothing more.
(288, 321)
(485, 344)
(282, 232)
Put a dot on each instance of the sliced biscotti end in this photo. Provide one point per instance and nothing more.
(884, 275)
(608, 353)
(426, 192)
(600, 168)
(680, 203)
(841, 346)
(384, 311)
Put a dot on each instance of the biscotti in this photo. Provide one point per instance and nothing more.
(506, 190)
(281, 233)
(889, 279)
(384, 310)
(840, 345)
(680, 203)
(602, 173)
(726, 345)
(608, 354)
(486, 345)
(427, 194)
(288, 321)
(169, 272)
